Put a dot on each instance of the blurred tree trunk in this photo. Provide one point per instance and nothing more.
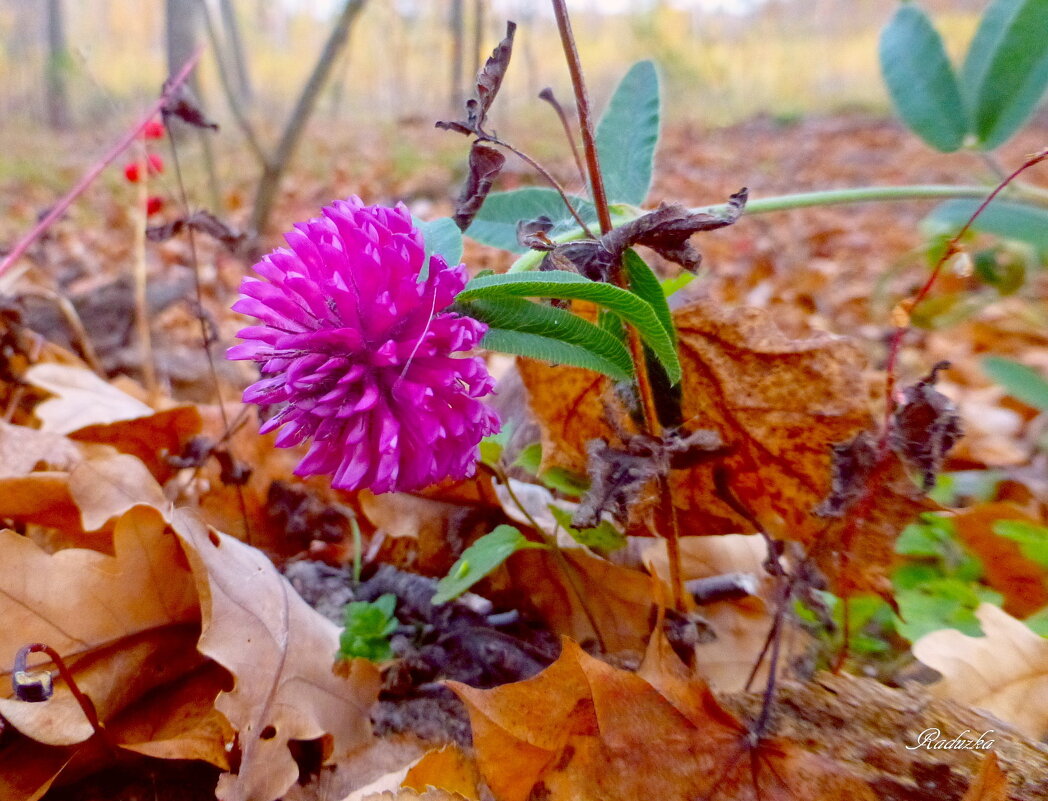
(274, 166)
(478, 35)
(181, 29)
(236, 50)
(458, 35)
(58, 116)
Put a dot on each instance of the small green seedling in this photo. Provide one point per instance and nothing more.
(369, 625)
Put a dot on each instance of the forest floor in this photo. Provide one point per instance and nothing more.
(838, 270)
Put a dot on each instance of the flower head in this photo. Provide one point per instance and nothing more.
(359, 352)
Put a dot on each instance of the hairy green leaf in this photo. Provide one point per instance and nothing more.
(1020, 381)
(645, 284)
(1002, 218)
(496, 222)
(442, 238)
(572, 286)
(550, 350)
(480, 559)
(921, 80)
(517, 314)
(627, 134)
(1006, 70)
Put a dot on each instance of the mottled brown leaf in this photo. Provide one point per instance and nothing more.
(485, 163)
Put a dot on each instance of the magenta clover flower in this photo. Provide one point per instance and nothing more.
(359, 352)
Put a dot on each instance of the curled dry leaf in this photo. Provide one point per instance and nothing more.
(584, 729)
(279, 651)
(1005, 672)
(81, 399)
(122, 606)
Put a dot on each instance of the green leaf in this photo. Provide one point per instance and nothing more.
(1032, 539)
(368, 626)
(480, 559)
(1038, 622)
(939, 604)
(627, 134)
(645, 284)
(572, 286)
(496, 222)
(442, 238)
(1001, 218)
(530, 458)
(1021, 382)
(523, 316)
(673, 285)
(921, 80)
(605, 536)
(550, 350)
(1006, 70)
(492, 446)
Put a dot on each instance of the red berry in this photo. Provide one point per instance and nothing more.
(156, 164)
(154, 130)
(131, 172)
(153, 205)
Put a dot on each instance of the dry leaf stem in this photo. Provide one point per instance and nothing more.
(667, 513)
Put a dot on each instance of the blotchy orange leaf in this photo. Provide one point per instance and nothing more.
(615, 599)
(1023, 583)
(1005, 672)
(779, 405)
(279, 651)
(584, 729)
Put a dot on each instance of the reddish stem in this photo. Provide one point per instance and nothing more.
(81, 186)
(86, 704)
(950, 250)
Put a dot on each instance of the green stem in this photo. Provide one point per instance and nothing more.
(802, 200)
(862, 194)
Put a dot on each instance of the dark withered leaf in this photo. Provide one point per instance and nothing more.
(924, 427)
(485, 163)
(489, 80)
(667, 229)
(183, 105)
(534, 234)
(852, 464)
(203, 221)
(619, 477)
(586, 257)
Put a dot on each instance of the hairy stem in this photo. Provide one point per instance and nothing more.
(667, 514)
(803, 200)
(589, 141)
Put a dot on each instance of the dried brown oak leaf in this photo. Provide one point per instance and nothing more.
(1004, 672)
(780, 406)
(126, 622)
(584, 729)
(279, 651)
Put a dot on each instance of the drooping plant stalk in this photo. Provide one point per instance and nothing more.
(666, 510)
(951, 249)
